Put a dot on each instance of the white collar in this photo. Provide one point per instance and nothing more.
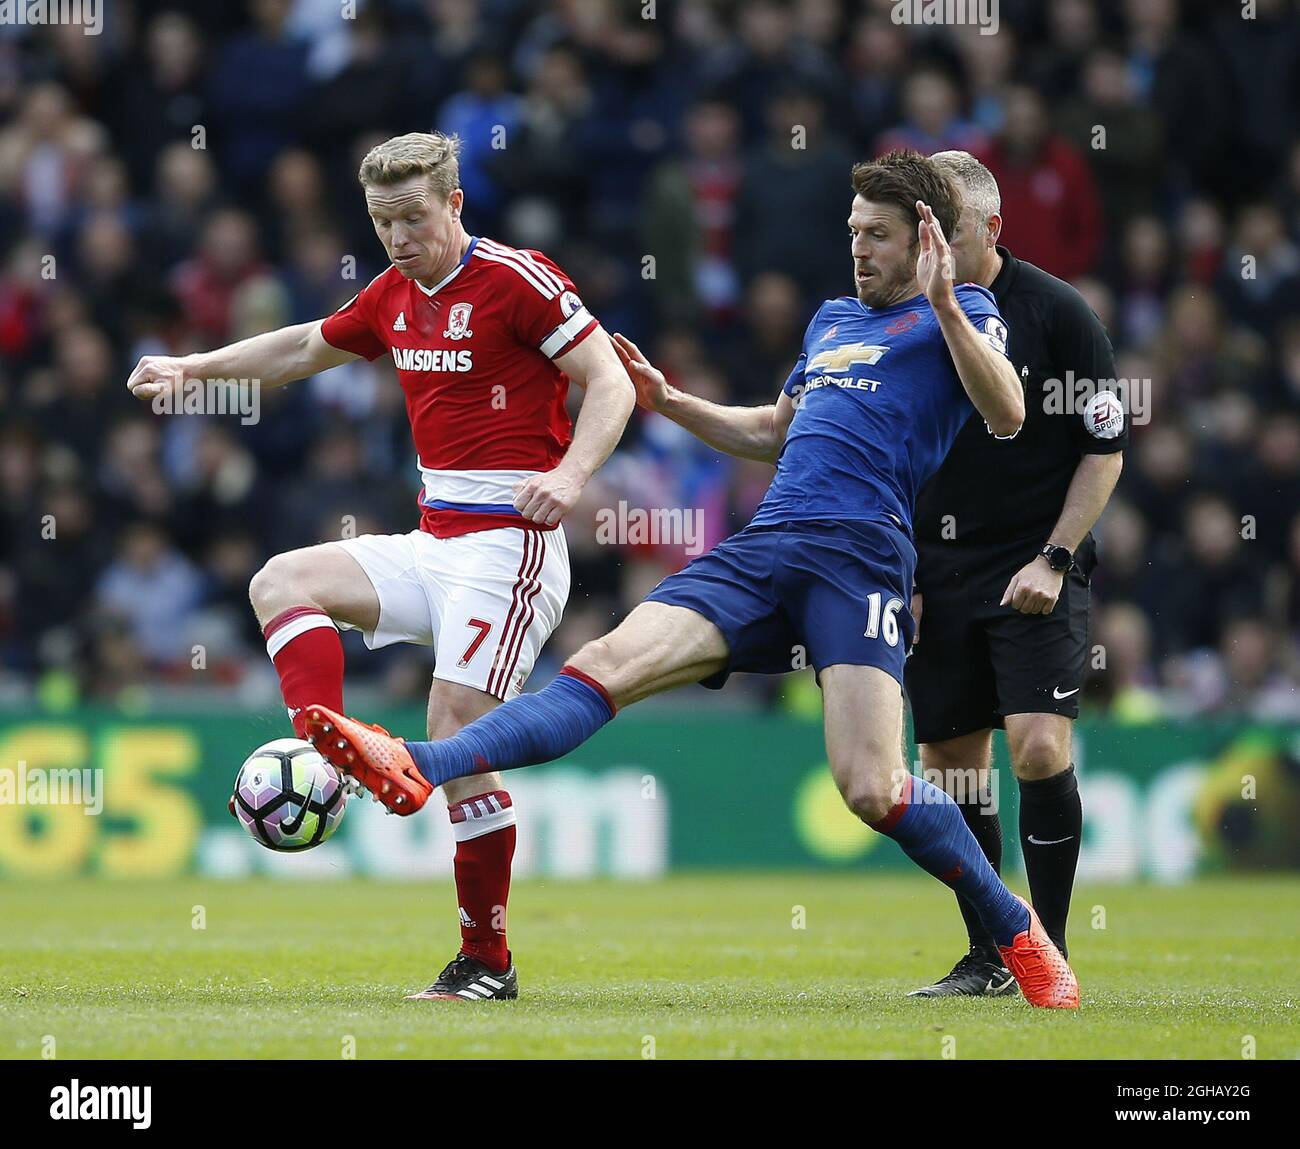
(446, 279)
(455, 271)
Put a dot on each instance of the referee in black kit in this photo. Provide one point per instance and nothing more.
(1004, 556)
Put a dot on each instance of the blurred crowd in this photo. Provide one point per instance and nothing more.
(187, 178)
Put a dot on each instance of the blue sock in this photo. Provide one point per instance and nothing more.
(929, 826)
(529, 729)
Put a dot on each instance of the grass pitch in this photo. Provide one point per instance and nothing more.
(691, 967)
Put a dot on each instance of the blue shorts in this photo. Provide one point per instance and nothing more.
(796, 594)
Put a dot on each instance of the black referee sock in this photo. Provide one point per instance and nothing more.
(1051, 823)
(987, 829)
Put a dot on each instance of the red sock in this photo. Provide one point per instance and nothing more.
(303, 642)
(485, 845)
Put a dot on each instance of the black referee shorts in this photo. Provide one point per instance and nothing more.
(976, 662)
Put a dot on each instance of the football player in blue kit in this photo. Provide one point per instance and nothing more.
(886, 379)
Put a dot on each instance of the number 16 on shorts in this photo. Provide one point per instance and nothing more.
(882, 622)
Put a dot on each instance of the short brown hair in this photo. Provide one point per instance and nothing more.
(903, 177)
(431, 154)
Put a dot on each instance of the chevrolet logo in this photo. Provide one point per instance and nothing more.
(843, 357)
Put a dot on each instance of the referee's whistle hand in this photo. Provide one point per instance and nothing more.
(1034, 588)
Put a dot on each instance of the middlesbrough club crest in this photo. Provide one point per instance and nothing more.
(458, 321)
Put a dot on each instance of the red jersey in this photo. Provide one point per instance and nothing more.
(474, 355)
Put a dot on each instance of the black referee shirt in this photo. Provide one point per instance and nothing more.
(992, 491)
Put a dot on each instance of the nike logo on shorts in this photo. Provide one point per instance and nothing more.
(1056, 693)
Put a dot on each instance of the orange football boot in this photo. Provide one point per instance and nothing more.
(1045, 977)
(380, 762)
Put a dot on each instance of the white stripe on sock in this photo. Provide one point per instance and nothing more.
(293, 628)
(475, 826)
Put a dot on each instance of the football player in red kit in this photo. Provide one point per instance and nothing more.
(485, 339)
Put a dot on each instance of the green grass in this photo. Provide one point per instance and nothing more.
(708, 966)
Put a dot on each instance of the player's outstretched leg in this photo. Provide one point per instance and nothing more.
(863, 715)
(656, 648)
(528, 729)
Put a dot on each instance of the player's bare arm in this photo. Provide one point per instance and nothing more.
(746, 432)
(1035, 587)
(594, 366)
(987, 375)
(272, 358)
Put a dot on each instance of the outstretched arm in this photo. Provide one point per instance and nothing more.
(746, 432)
(272, 359)
(987, 374)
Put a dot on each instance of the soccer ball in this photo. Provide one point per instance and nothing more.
(288, 797)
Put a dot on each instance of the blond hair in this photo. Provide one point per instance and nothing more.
(431, 154)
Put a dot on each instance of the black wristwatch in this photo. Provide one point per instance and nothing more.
(1060, 559)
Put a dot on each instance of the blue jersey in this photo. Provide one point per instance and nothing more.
(878, 404)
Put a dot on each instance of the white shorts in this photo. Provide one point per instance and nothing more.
(486, 602)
